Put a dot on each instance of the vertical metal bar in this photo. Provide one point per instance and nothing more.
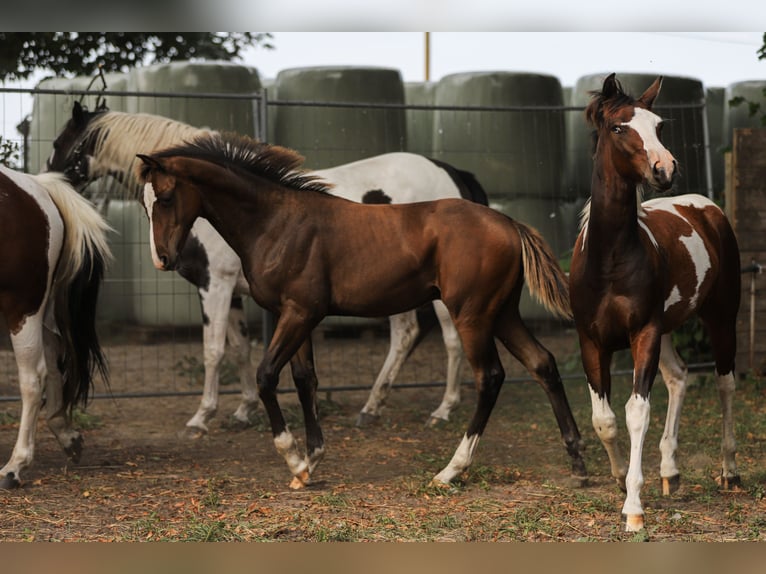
(708, 166)
(261, 117)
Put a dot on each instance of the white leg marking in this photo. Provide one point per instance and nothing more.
(454, 363)
(461, 460)
(673, 372)
(637, 421)
(30, 359)
(288, 448)
(605, 425)
(215, 306)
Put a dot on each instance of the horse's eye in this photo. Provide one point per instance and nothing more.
(165, 200)
(617, 129)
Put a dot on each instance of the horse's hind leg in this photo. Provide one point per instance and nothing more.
(30, 359)
(404, 333)
(540, 363)
(454, 364)
(723, 340)
(674, 372)
(489, 376)
(239, 342)
(57, 414)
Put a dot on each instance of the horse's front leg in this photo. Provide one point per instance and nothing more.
(290, 333)
(645, 347)
(403, 333)
(305, 379)
(596, 364)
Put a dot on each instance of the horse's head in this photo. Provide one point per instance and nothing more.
(73, 147)
(629, 133)
(172, 204)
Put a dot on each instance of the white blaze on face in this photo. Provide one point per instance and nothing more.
(149, 199)
(645, 124)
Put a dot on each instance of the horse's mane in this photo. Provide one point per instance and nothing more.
(119, 136)
(601, 105)
(276, 163)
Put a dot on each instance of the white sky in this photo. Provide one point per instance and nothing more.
(715, 58)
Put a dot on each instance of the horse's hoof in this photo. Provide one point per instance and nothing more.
(729, 483)
(633, 522)
(577, 481)
(300, 480)
(10, 482)
(236, 424)
(74, 450)
(192, 433)
(366, 419)
(434, 422)
(438, 483)
(670, 484)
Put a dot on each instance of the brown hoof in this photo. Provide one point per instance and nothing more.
(300, 481)
(670, 484)
(633, 522)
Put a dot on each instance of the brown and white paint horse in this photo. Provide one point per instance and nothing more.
(640, 270)
(94, 144)
(52, 253)
(307, 254)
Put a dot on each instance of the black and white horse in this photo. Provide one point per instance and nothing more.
(52, 253)
(103, 142)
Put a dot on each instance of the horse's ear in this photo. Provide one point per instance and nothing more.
(611, 87)
(648, 97)
(78, 114)
(147, 164)
(101, 104)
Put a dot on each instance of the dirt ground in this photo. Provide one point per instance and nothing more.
(139, 480)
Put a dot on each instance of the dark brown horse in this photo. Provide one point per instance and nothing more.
(52, 252)
(639, 271)
(307, 254)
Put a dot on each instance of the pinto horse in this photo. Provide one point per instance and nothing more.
(640, 270)
(52, 254)
(307, 254)
(102, 142)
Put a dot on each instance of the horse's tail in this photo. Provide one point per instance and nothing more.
(466, 182)
(545, 278)
(77, 281)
